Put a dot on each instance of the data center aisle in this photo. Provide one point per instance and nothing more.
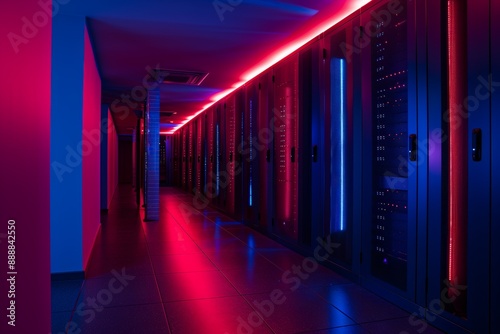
(202, 272)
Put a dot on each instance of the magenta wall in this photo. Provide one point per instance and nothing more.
(112, 159)
(125, 159)
(92, 133)
(24, 171)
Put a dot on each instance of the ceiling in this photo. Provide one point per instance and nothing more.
(232, 40)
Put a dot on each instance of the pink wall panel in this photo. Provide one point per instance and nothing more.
(112, 159)
(24, 171)
(91, 150)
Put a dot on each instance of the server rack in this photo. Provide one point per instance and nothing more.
(239, 166)
(250, 149)
(365, 105)
(266, 138)
(286, 149)
(231, 126)
(163, 160)
(390, 131)
(342, 120)
(200, 155)
(462, 290)
(220, 168)
(210, 188)
(184, 155)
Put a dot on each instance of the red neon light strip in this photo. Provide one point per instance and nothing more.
(348, 8)
(458, 144)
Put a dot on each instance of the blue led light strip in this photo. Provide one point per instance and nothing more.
(342, 143)
(338, 144)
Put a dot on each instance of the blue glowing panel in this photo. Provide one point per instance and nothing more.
(338, 144)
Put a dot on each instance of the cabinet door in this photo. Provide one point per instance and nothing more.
(341, 69)
(495, 167)
(286, 149)
(251, 149)
(390, 148)
(477, 117)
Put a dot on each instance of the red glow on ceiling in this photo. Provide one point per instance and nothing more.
(309, 32)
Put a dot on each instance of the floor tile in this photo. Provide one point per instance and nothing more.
(210, 274)
(214, 316)
(64, 295)
(60, 321)
(173, 247)
(181, 263)
(122, 320)
(359, 304)
(283, 258)
(198, 285)
(247, 258)
(135, 265)
(340, 330)
(118, 289)
(255, 280)
(402, 325)
(297, 311)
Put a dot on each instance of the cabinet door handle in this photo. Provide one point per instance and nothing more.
(315, 153)
(477, 143)
(412, 152)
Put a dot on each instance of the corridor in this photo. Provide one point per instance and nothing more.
(201, 272)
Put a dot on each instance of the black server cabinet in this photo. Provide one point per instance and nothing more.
(251, 149)
(462, 282)
(220, 168)
(342, 120)
(210, 187)
(163, 160)
(266, 138)
(232, 171)
(200, 154)
(176, 160)
(390, 136)
(238, 163)
(495, 167)
(286, 149)
(191, 165)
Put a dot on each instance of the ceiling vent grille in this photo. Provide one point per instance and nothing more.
(180, 77)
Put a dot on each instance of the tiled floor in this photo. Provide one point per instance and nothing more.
(200, 272)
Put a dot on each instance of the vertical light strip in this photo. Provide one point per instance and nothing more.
(250, 125)
(217, 160)
(338, 144)
(458, 142)
(342, 143)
